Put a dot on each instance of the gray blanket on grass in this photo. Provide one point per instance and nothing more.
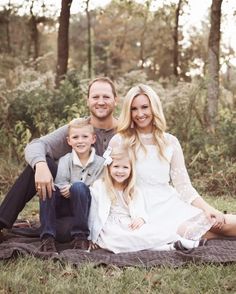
(216, 251)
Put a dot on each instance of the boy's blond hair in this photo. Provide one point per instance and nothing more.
(78, 123)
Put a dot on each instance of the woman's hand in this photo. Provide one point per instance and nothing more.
(93, 246)
(136, 223)
(65, 191)
(217, 217)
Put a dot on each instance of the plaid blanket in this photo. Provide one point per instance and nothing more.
(216, 251)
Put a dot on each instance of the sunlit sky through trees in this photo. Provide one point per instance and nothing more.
(196, 12)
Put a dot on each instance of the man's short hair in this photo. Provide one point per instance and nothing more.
(103, 80)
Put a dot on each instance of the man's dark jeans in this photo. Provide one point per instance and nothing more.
(22, 191)
(58, 207)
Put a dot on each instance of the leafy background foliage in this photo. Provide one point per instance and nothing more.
(131, 44)
(34, 108)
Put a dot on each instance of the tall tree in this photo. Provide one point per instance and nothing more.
(5, 20)
(176, 39)
(213, 65)
(8, 26)
(63, 41)
(145, 14)
(90, 66)
(34, 21)
(34, 34)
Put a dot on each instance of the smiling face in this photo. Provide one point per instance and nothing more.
(81, 139)
(120, 170)
(101, 100)
(141, 113)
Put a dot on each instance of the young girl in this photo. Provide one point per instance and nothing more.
(118, 221)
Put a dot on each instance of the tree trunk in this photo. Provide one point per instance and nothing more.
(175, 36)
(34, 34)
(213, 65)
(9, 49)
(63, 41)
(90, 70)
(143, 34)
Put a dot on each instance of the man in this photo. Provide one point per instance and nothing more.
(42, 153)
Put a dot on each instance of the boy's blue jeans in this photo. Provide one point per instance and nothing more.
(76, 207)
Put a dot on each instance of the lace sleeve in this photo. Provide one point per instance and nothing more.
(179, 175)
(115, 140)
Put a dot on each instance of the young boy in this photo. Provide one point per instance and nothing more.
(76, 171)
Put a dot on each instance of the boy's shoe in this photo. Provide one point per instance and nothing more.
(48, 245)
(79, 243)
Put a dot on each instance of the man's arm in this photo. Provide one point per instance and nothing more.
(54, 145)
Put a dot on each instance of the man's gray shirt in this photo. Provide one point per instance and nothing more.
(55, 145)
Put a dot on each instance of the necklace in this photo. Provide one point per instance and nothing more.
(146, 136)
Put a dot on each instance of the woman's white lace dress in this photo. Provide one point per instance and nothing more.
(167, 191)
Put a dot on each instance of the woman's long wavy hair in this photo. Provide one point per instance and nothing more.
(130, 134)
(121, 152)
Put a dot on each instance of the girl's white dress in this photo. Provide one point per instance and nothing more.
(168, 192)
(109, 223)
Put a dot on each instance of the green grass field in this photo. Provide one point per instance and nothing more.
(31, 275)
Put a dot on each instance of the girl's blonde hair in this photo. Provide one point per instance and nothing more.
(120, 152)
(130, 133)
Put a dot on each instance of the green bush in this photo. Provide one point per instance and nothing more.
(33, 108)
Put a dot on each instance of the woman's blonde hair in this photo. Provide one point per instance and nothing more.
(129, 132)
(120, 152)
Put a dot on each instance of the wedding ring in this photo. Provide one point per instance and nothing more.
(38, 187)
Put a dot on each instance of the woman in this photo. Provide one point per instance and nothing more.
(171, 201)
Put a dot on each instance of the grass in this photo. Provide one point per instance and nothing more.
(32, 275)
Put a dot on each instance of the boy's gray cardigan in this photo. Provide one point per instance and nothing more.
(70, 169)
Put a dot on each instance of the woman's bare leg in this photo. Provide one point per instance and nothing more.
(227, 230)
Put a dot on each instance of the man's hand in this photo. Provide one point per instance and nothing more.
(43, 180)
(136, 223)
(65, 191)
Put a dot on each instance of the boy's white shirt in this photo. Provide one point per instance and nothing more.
(77, 161)
(101, 205)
